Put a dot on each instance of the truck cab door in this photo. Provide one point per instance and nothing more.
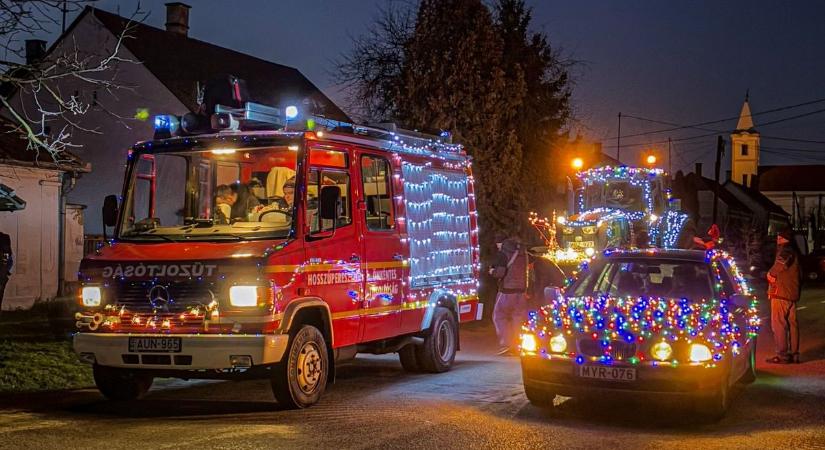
(384, 255)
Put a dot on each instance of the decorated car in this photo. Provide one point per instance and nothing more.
(653, 321)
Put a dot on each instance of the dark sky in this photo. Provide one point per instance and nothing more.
(683, 62)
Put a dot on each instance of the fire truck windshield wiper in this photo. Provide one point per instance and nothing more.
(159, 236)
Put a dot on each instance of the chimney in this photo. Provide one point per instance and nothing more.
(177, 18)
(698, 169)
(35, 50)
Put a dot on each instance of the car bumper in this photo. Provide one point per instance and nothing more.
(198, 351)
(561, 377)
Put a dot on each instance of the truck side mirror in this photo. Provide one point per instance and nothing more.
(110, 211)
(329, 202)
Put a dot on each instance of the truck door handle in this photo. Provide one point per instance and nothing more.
(354, 258)
(398, 257)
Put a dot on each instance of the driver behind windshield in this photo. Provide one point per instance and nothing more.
(225, 198)
(234, 202)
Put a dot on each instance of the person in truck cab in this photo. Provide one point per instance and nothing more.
(224, 199)
(244, 203)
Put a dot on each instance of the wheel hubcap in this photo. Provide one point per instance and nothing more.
(310, 367)
(444, 341)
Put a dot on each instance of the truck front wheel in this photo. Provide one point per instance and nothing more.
(437, 353)
(300, 379)
(121, 384)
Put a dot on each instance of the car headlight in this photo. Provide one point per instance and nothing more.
(661, 351)
(589, 251)
(700, 352)
(243, 295)
(558, 343)
(90, 296)
(529, 343)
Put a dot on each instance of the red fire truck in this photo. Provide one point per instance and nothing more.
(243, 250)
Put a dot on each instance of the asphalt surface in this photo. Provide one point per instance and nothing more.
(479, 404)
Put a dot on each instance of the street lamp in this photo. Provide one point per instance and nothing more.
(650, 160)
(577, 163)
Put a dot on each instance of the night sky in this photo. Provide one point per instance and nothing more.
(677, 62)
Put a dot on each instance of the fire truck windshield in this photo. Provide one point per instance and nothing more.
(614, 194)
(211, 195)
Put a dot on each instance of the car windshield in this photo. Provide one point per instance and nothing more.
(211, 195)
(618, 194)
(649, 277)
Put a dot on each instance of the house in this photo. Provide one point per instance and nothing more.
(163, 72)
(46, 232)
(696, 194)
(765, 211)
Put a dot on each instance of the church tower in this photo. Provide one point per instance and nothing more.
(744, 152)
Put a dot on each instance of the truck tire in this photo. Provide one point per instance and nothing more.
(408, 359)
(437, 353)
(538, 397)
(300, 379)
(121, 384)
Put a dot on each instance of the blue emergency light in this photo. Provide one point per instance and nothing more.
(166, 125)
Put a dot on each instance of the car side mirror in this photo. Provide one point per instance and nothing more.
(110, 211)
(551, 293)
(740, 300)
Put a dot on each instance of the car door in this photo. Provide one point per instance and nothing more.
(333, 269)
(382, 249)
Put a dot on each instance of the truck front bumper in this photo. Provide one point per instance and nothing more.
(197, 351)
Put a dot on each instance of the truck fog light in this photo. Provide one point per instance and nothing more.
(529, 343)
(86, 357)
(90, 296)
(661, 351)
(558, 343)
(589, 251)
(699, 353)
(240, 361)
(243, 295)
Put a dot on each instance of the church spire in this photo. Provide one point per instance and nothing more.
(745, 122)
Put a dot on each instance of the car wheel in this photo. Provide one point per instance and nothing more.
(813, 276)
(716, 405)
(437, 353)
(121, 384)
(750, 373)
(300, 379)
(538, 397)
(408, 359)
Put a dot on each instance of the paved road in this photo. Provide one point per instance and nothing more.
(479, 404)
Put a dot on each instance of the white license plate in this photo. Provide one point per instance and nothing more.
(154, 345)
(608, 373)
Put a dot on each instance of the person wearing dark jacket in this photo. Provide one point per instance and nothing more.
(784, 279)
(510, 269)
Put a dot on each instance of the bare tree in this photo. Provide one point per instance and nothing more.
(40, 81)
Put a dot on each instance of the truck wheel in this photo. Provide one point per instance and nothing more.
(437, 353)
(538, 397)
(408, 359)
(299, 380)
(121, 384)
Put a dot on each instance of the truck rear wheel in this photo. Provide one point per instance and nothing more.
(437, 353)
(300, 379)
(121, 384)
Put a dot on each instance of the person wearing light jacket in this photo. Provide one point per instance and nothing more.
(784, 279)
(510, 269)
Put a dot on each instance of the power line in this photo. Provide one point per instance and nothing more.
(669, 123)
(792, 139)
(711, 122)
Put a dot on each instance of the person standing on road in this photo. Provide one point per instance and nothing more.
(6, 263)
(783, 291)
(510, 269)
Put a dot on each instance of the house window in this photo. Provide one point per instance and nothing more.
(744, 149)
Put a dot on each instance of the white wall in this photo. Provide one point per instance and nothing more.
(106, 150)
(34, 235)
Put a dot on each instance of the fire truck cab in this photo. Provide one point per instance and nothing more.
(250, 251)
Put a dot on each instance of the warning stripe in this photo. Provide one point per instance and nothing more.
(289, 268)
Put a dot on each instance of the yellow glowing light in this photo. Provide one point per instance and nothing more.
(651, 159)
(653, 218)
(293, 148)
(589, 251)
(529, 343)
(561, 220)
(699, 353)
(577, 163)
(661, 351)
(223, 151)
(558, 343)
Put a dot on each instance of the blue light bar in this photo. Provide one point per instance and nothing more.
(166, 123)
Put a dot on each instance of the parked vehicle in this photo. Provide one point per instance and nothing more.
(339, 241)
(666, 323)
(813, 265)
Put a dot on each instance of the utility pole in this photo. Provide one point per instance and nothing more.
(619, 141)
(64, 15)
(669, 157)
(720, 150)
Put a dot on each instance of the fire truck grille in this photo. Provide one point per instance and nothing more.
(616, 349)
(164, 297)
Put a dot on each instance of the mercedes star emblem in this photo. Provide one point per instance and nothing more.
(159, 297)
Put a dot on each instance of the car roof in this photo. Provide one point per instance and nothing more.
(657, 253)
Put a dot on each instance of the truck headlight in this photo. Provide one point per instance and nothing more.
(661, 351)
(243, 296)
(589, 251)
(529, 343)
(699, 353)
(558, 343)
(90, 296)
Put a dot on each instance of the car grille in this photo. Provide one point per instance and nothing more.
(618, 349)
(135, 296)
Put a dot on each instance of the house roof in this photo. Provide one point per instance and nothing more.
(798, 178)
(701, 183)
(180, 62)
(757, 197)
